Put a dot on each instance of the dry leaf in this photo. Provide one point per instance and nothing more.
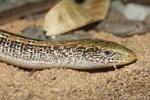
(68, 15)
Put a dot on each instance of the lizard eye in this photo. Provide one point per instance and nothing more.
(108, 53)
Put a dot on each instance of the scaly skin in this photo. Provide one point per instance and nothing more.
(76, 54)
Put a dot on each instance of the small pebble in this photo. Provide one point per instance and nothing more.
(136, 12)
(70, 36)
(123, 28)
(35, 32)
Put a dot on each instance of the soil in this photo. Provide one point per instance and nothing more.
(130, 82)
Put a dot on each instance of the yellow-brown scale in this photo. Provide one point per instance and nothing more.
(76, 54)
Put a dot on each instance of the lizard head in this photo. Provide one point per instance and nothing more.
(114, 53)
(102, 54)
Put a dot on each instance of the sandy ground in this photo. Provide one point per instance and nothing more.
(131, 82)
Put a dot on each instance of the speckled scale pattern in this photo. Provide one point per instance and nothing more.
(28, 53)
(58, 54)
